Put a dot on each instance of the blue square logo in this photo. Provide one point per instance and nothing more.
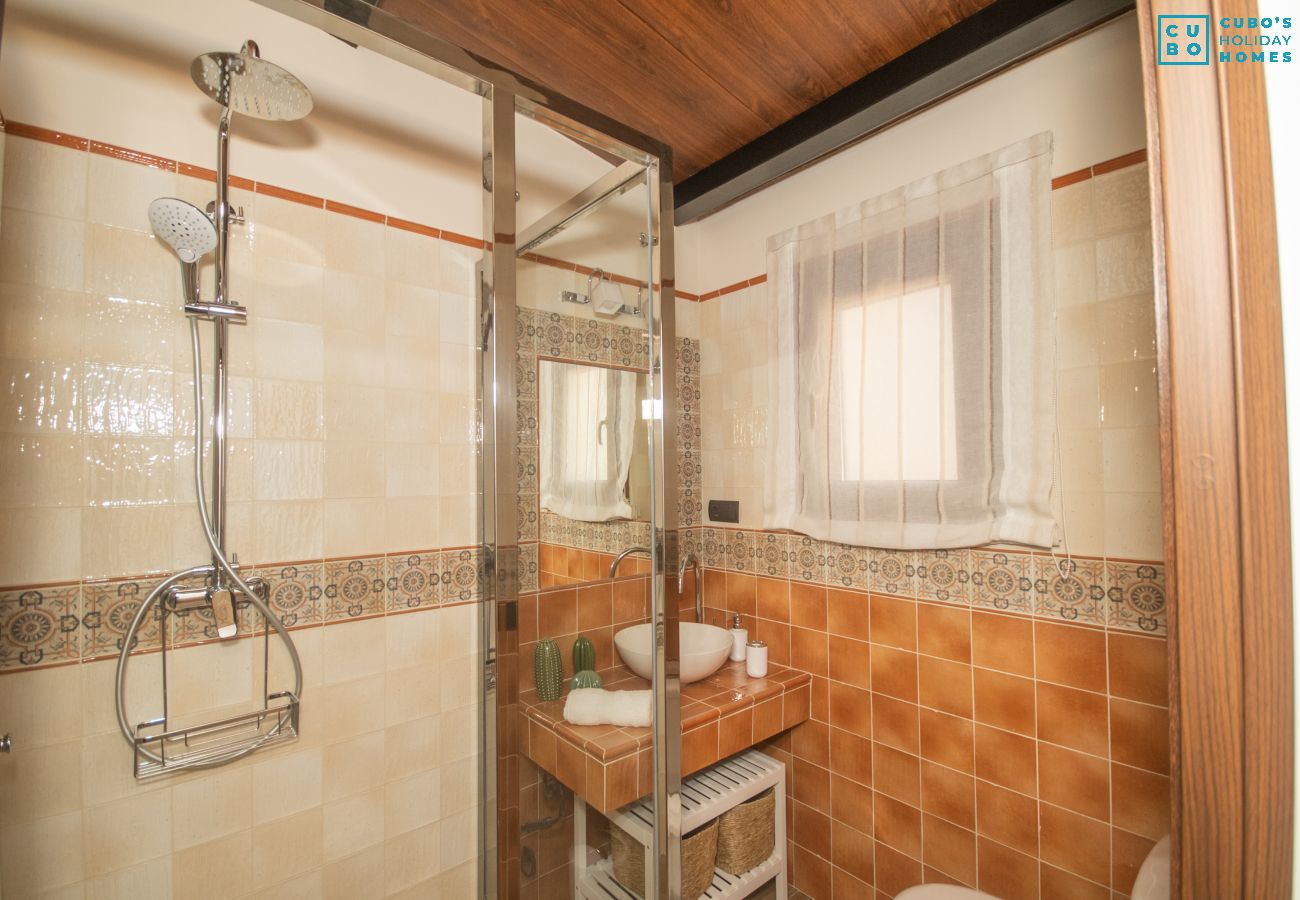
(1183, 40)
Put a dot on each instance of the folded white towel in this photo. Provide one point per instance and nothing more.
(597, 706)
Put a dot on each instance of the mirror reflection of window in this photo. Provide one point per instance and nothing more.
(587, 418)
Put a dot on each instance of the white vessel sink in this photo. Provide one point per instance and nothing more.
(704, 648)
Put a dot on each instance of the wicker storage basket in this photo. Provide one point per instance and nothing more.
(747, 834)
(698, 851)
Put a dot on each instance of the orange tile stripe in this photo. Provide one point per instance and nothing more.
(1101, 168)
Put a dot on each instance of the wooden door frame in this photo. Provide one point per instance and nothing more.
(1224, 461)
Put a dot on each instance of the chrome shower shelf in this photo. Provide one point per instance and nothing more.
(218, 742)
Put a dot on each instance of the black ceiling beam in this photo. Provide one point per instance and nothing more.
(998, 36)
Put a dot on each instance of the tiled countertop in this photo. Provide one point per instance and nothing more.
(722, 715)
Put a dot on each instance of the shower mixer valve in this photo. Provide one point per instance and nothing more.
(220, 599)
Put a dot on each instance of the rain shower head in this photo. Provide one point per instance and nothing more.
(186, 228)
(251, 86)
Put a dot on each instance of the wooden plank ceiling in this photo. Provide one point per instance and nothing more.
(704, 76)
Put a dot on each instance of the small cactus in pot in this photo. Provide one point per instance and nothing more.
(548, 670)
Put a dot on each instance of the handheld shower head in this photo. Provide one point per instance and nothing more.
(186, 228)
(251, 86)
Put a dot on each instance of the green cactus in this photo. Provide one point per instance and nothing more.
(586, 679)
(548, 671)
(584, 655)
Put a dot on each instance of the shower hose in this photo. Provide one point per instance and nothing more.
(222, 564)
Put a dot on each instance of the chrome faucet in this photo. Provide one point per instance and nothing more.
(692, 560)
(613, 567)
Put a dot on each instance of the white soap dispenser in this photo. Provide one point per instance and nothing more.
(739, 638)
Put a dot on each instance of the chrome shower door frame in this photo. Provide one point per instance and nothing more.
(506, 93)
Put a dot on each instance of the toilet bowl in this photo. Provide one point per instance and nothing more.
(1152, 882)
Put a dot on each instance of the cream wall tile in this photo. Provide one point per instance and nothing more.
(127, 400)
(41, 781)
(212, 805)
(211, 676)
(1075, 270)
(457, 734)
(46, 853)
(415, 523)
(143, 693)
(353, 302)
(355, 358)
(357, 877)
(1128, 394)
(413, 640)
(38, 397)
(1078, 336)
(411, 858)
(41, 323)
(288, 470)
(214, 871)
(128, 471)
(1078, 398)
(354, 527)
(457, 369)
(130, 264)
(290, 409)
(308, 643)
(412, 802)
(353, 650)
(459, 785)
(288, 530)
(1132, 459)
(287, 847)
(1084, 522)
(408, 364)
(307, 886)
(354, 765)
(1081, 459)
(107, 763)
(411, 470)
(456, 267)
(1073, 216)
(353, 823)
(457, 318)
(411, 693)
(148, 879)
(354, 412)
(457, 420)
(1123, 200)
(130, 831)
(410, 258)
(289, 350)
(354, 245)
(459, 838)
(352, 708)
(285, 290)
(459, 881)
(459, 679)
(410, 416)
(45, 178)
(409, 309)
(1134, 526)
(286, 785)
(412, 747)
(119, 192)
(457, 632)
(40, 471)
(43, 250)
(1127, 329)
(38, 546)
(1124, 265)
(283, 229)
(118, 540)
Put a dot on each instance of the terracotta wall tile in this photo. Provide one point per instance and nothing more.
(1005, 701)
(1005, 873)
(1070, 655)
(852, 851)
(777, 637)
(850, 709)
(893, 672)
(742, 593)
(1075, 843)
(896, 773)
(1139, 735)
(557, 613)
(1007, 817)
(1139, 668)
(1061, 885)
(807, 605)
(852, 803)
(949, 740)
(1006, 759)
(946, 686)
(898, 825)
(848, 613)
(948, 794)
(950, 849)
(1140, 800)
(1128, 852)
(812, 829)
(896, 723)
(812, 873)
(1072, 718)
(895, 871)
(851, 756)
(849, 661)
(1005, 643)
(812, 741)
(1074, 780)
(808, 651)
(773, 598)
(944, 631)
(812, 784)
(595, 606)
(845, 884)
(893, 622)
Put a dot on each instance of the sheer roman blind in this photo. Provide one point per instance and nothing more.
(912, 373)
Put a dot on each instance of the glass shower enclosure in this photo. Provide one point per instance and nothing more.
(576, 324)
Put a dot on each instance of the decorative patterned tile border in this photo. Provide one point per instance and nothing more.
(55, 624)
(1117, 594)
